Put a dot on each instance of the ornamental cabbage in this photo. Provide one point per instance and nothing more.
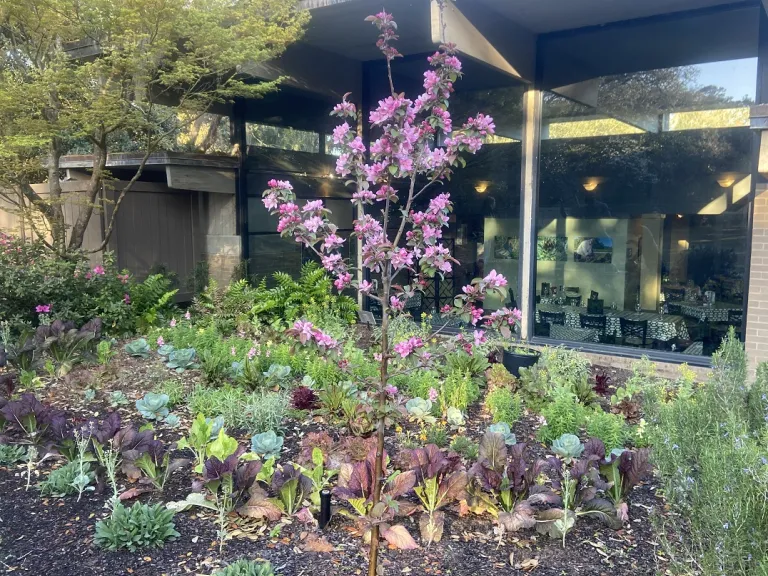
(267, 444)
(153, 406)
(420, 409)
(182, 359)
(503, 429)
(138, 348)
(568, 447)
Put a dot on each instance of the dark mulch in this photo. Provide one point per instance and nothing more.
(54, 537)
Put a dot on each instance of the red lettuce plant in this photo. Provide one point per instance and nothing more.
(441, 480)
(304, 398)
(357, 485)
(602, 381)
(396, 175)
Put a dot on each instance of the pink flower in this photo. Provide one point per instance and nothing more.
(432, 395)
(396, 304)
(313, 224)
(280, 184)
(313, 206)
(479, 337)
(160, 341)
(377, 356)
(305, 330)
(123, 278)
(251, 353)
(233, 351)
(188, 316)
(365, 286)
(173, 323)
(342, 281)
(391, 390)
(495, 280)
(406, 347)
(332, 241)
(99, 271)
(43, 308)
(340, 133)
(127, 298)
(445, 309)
(477, 314)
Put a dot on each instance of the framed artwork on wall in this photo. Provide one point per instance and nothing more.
(590, 249)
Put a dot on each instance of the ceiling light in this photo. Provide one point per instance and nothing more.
(727, 179)
(482, 186)
(591, 184)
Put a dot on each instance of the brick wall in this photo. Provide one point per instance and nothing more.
(757, 312)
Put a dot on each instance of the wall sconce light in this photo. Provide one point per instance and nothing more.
(482, 186)
(727, 179)
(679, 215)
(591, 184)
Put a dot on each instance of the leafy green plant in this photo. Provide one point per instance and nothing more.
(247, 373)
(564, 415)
(172, 421)
(244, 567)
(497, 376)
(153, 406)
(417, 384)
(473, 364)
(135, 528)
(215, 365)
(534, 387)
(65, 481)
(757, 400)
(117, 398)
(611, 429)
(503, 405)
(200, 436)
(465, 447)
(67, 345)
(105, 352)
(333, 395)
(319, 475)
(261, 412)
(152, 300)
(267, 444)
(183, 359)
(139, 348)
(624, 470)
(277, 375)
(156, 464)
(437, 435)
(505, 431)
(459, 389)
(175, 391)
(12, 453)
(323, 372)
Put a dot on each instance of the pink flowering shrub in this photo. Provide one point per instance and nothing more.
(35, 281)
(402, 171)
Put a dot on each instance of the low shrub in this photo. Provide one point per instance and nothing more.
(459, 390)
(323, 372)
(253, 412)
(610, 428)
(11, 454)
(564, 415)
(504, 405)
(499, 377)
(464, 446)
(418, 383)
(714, 473)
(534, 387)
(175, 391)
(140, 526)
(63, 481)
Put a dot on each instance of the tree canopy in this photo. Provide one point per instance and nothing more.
(95, 73)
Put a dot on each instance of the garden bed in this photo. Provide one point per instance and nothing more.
(43, 535)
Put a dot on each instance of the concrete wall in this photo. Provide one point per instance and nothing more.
(220, 243)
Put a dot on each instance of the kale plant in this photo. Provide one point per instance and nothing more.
(139, 348)
(181, 360)
(153, 406)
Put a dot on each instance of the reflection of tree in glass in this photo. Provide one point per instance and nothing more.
(267, 136)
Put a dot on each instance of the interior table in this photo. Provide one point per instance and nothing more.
(717, 312)
(662, 327)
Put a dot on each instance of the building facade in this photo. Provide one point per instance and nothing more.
(623, 192)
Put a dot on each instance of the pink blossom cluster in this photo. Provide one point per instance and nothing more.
(306, 332)
(406, 347)
(43, 308)
(384, 22)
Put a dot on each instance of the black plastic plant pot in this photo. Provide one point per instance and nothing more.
(518, 358)
(325, 508)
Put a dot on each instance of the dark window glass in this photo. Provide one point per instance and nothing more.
(643, 207)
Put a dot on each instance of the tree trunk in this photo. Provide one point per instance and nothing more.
(378, 470)
(53, 209)
(91, 192)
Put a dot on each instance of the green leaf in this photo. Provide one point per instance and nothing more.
(223, 447)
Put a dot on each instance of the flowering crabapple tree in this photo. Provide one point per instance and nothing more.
(402, 166)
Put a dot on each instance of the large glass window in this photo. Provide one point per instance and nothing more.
(643, 207)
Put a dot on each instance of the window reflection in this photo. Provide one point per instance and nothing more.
(642, 220)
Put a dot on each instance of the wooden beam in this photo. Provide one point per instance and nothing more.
(80, 186)
(201, 179)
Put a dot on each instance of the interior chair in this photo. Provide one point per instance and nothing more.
(545, 289)
(573, 300)
(674, 308)
(541, 329)
(674, 294)
(736, 319)
(552, 317)
(634, 332)
(595, 306)
(594, 322)
(592, 295)
(573, 289)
